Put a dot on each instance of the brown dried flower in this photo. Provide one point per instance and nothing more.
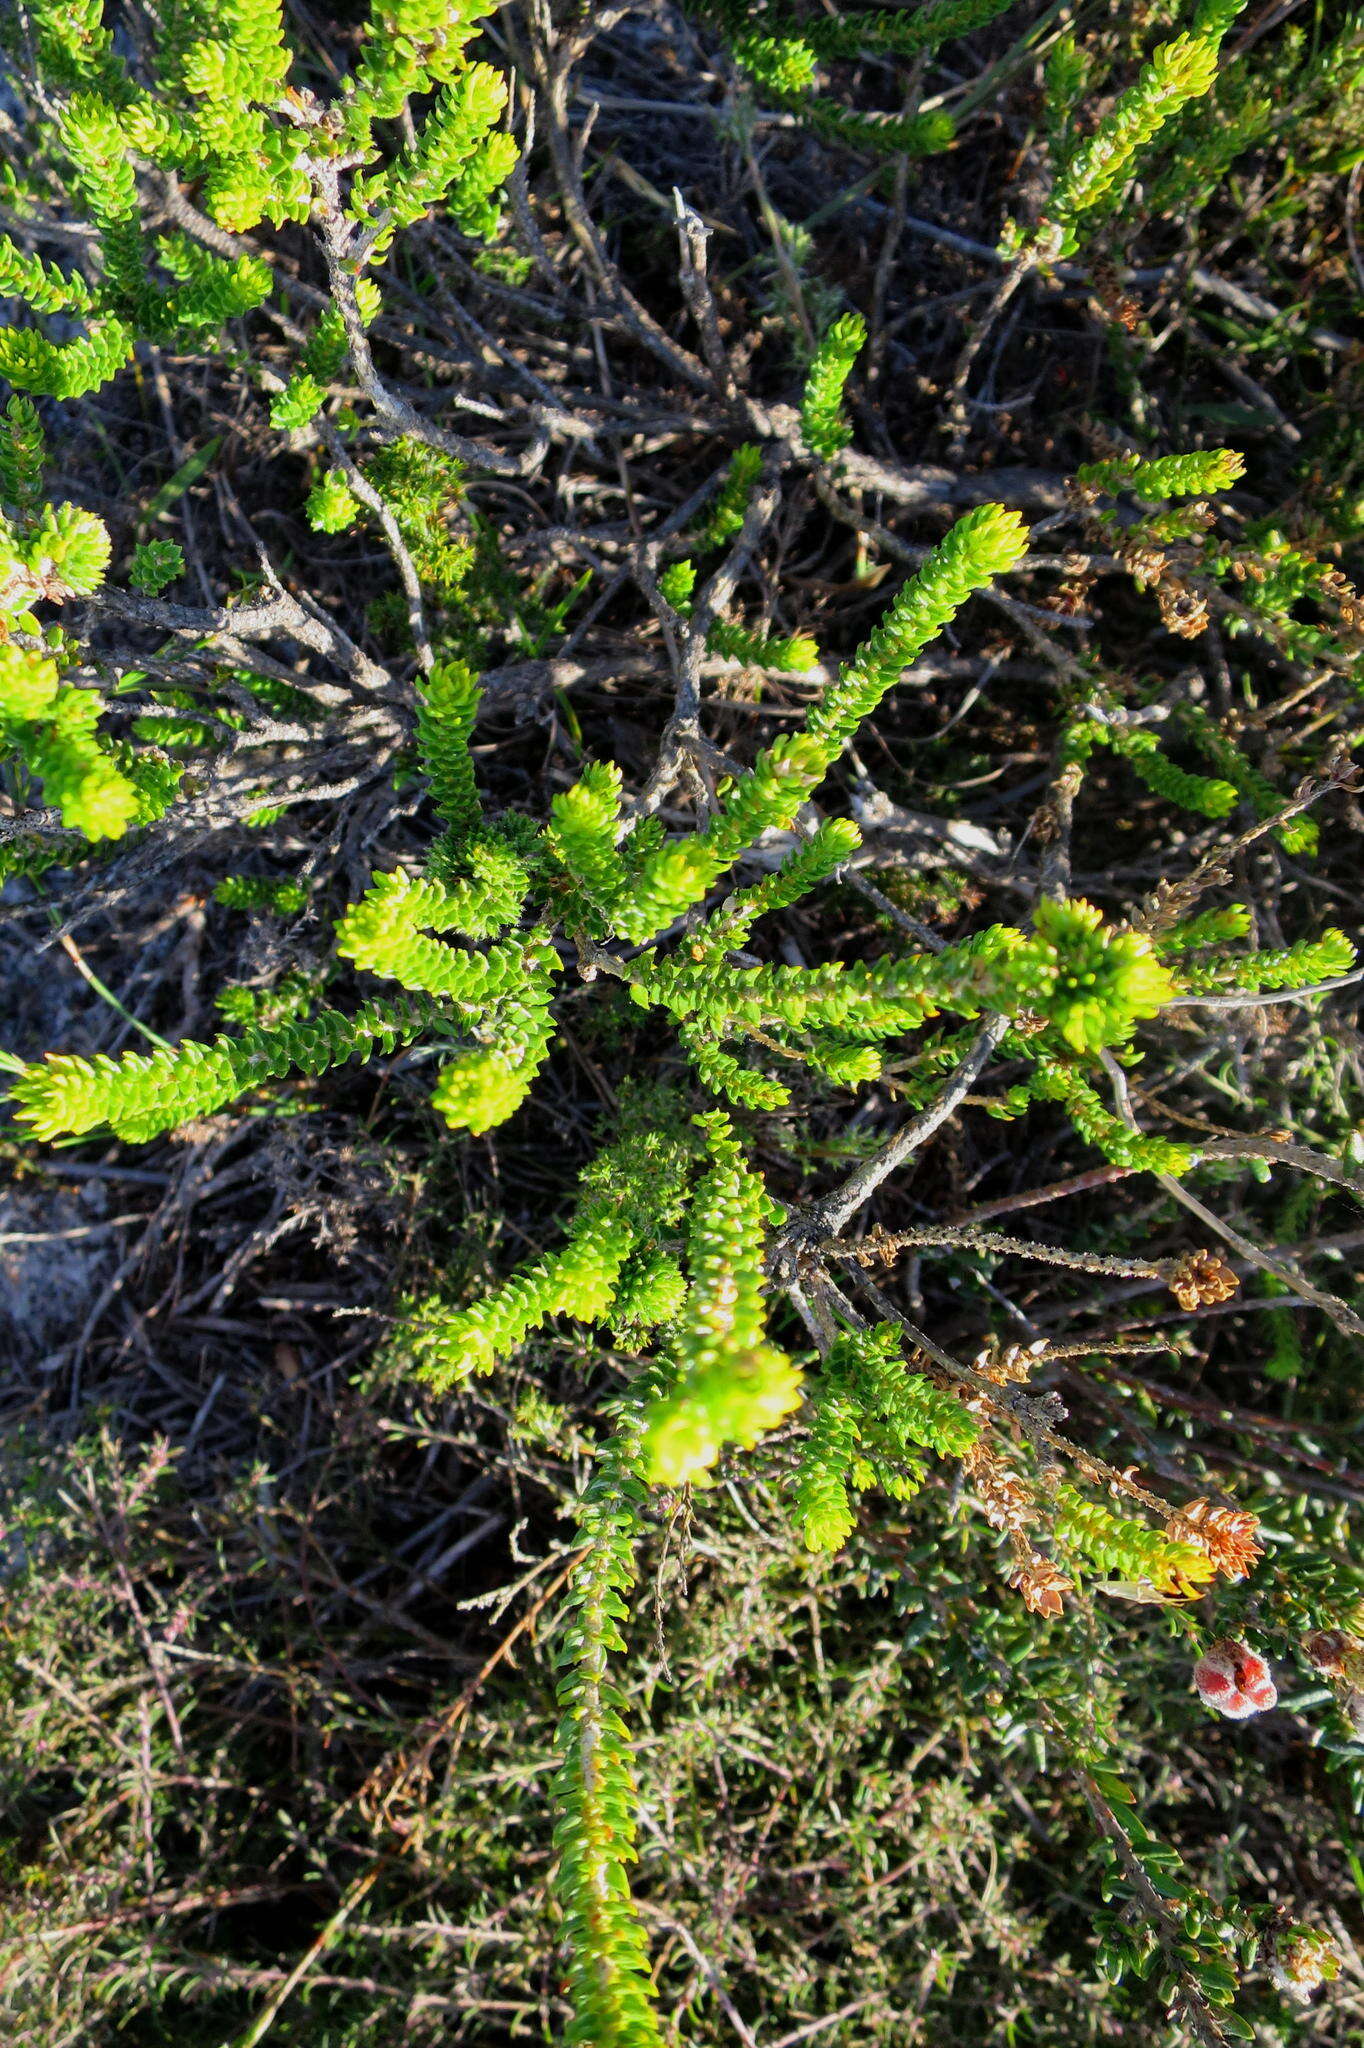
(1117, 304)
(1005, 1501)
(1070, 596)
(1183, 611)
(1228, 1535)
(1335, 1653)
(1347, 599)
(1006, 1363)
(1043, 1587)
(878, 1248)
(1325, 1650)
(1082, 497)
(1147, 564)
(1201, 1277)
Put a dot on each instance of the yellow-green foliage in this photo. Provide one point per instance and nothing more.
(731, 1384)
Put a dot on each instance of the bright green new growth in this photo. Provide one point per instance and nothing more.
(1053, 1080)
(677, 583)
(23, 452)
(1067, 74)
(732, 1386)
(331, 506)
(1127, 1549)
(142, 1094)
(445, 1346)
(290, 996)
(40, 284)
(727, 1077)
(785, 65)
(822, 1498)
(447, 707)
(902, 1408)
(632, 1191)
(387, 931)
(219, 113)
(779, 54)
(1178, 71)
(584, 824)
(481, 1089)
(49, 553)
(455, 131)
(650, 1295)
(297, 403)
(1084, 986)
(302, 397)
(422, 487)
(871, 1416)
(1092, 982)
(985, 544)
(1088, 983)
(51, 728)
(676, 876)
(821, 407)
(791, 655)
(65, 369)
(1194, 475)
(455, 161)
(1208, 796)
(56, 552)
(829, 847)
(1209, 928)
(1300, 966)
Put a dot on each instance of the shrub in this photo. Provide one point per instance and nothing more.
(754, 1321)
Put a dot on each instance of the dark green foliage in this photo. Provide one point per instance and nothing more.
(261, 892)
(727, 513)
(155, 564)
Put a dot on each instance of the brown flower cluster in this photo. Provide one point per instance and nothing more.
(1005, 1501)
(1227, 1535)
(1347, 600)
(1071, 596)
(1080, 497)
(1144, 560)
(1118, 305)
(1043, 1587)
(1340, 1658)
(1183, 610)
(1334, 1653)
(878, 1248)
(1007, 1364)
(1201, 1278)
(1008, 1504)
